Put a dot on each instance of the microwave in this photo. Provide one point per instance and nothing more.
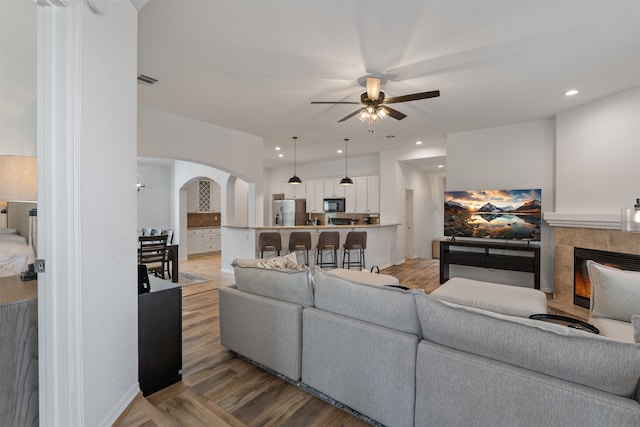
(333, 205)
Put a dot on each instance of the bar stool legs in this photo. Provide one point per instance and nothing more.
(356, 242)
(328, 241)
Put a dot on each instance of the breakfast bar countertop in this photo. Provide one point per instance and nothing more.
(311, 227)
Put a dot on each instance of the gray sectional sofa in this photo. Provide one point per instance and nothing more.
(404, 358)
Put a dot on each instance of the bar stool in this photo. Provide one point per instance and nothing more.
(357, 242)
(269, 241)
(328, 241)
(300, 241)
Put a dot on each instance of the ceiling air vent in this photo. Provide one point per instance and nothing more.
(146, 80)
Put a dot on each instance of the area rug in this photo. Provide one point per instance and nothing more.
(186, 279)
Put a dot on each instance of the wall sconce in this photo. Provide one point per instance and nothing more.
(631, 218)
(18, 179)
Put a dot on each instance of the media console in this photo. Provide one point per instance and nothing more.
(499, 255)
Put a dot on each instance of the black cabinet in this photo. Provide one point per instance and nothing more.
(159, 336)
(502, 256)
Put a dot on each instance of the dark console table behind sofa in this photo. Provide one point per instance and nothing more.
(492, 255)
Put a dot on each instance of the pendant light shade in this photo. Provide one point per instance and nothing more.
(295, 179)
(346, 180)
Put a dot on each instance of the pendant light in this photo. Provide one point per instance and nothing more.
(295, 179)
(346, 180)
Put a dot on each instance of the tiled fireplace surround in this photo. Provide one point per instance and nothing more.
(566, 238)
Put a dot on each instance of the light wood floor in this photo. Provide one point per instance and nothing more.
(219, 389)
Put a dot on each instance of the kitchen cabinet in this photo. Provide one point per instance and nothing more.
(367, 189)
(314, 195)
(202, 240)
(204, 196)
(294, 191)
(373, 194)
(332, 188)
(350, 202)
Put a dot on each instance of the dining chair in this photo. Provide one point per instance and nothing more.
(152, 252)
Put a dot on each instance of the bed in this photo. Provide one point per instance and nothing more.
(15, 251)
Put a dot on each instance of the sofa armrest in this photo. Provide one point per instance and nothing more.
(265, 330)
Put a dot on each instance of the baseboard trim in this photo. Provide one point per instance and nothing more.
(122, 406)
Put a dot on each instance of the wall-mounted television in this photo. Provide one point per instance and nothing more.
(493, 214)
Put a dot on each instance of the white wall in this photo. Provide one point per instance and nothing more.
(517, 156)
(428, 217)
(87, 299)
(394, 182)
(18, 78)
(170, 136)
(154, 204)
(598, 155)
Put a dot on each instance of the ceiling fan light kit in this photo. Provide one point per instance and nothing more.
(373, 100)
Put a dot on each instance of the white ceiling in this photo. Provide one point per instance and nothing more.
(255, 66)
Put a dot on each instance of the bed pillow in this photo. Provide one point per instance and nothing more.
(615, 294)
(8, 231)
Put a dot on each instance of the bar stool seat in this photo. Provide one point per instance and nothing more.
(269, 241)
(300, 241)
(328, 241)
(357, 242)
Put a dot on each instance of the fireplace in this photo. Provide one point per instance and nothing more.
(581, 282)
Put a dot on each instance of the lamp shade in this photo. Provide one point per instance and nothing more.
(18, 178)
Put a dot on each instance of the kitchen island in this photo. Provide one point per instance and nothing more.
(381, 242)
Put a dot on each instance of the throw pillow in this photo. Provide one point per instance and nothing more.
(615, 294)
(287, 262)
(635, 321)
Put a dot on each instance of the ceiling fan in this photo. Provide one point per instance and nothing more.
(375, 103)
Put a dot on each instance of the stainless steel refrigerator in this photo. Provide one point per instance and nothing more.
(290, 212)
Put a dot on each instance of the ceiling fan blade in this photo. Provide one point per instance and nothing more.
(413, 97)
(349, 116)
(335, 102)
(373, 88)
(395, 113)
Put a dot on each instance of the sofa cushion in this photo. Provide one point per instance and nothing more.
(505, 299)
(383, 306)
(550, 349)
(614, 329)
(635, 321)
(286, 285)
(615, 294)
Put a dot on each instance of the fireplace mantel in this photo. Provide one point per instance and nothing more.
(582, 220)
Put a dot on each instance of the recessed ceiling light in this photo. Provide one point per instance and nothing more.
(571, 92)
(339, 151)
(440, 166)
(418, 142)
(280, 155)
(277, 148)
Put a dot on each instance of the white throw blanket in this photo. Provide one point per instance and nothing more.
(15, 254)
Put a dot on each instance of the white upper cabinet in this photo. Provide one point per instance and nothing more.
(367, 190)
(373, 194)
(350, 202)
(204, 196)
(332, 188)
(361, 197)
(295, 191)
